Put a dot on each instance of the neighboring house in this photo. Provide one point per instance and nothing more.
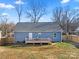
(25, 31)
(77, 31)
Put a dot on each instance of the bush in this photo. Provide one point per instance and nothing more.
(6, 41)
(50, 43)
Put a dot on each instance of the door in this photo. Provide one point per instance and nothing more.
(30, 36)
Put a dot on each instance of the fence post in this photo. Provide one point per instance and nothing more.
(0, 38)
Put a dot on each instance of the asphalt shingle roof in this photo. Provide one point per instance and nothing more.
(37, 27)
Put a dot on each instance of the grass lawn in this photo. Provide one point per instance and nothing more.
(56, 51)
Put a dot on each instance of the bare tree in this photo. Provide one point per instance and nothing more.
(19, 8)
(35, 10)
(3, 25)
(68, 20)
(6, 27)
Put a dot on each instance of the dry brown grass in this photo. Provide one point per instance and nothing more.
(57, 51)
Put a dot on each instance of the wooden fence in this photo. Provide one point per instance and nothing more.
(74, 38)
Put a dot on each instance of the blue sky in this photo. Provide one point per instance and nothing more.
(7, 8)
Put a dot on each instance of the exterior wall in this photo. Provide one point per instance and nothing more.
(42, 35)
(57, 37)
(20, 36)
(54, 36)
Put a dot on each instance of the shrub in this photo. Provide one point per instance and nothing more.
(50, 43)
(6, 41)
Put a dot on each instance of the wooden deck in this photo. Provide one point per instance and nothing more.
(41, 41)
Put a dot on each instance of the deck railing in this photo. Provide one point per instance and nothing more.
(37, 40)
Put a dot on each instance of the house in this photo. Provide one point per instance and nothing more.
(25, 31)
(77, 31)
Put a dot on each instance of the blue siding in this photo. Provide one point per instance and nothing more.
(20, 36)
(46, 35)
(55, 36)
(42, 35)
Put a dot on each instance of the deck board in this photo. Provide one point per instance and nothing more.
(38, 41)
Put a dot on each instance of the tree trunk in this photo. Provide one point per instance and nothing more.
(67, 36)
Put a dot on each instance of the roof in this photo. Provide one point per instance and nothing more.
(37, 27)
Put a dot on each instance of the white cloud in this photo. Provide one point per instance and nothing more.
(64, 1)
(19, 2)
(8, 6)
(5, 14)
(2, 5)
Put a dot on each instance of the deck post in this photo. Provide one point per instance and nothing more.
(33, 43)
(40, 43)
